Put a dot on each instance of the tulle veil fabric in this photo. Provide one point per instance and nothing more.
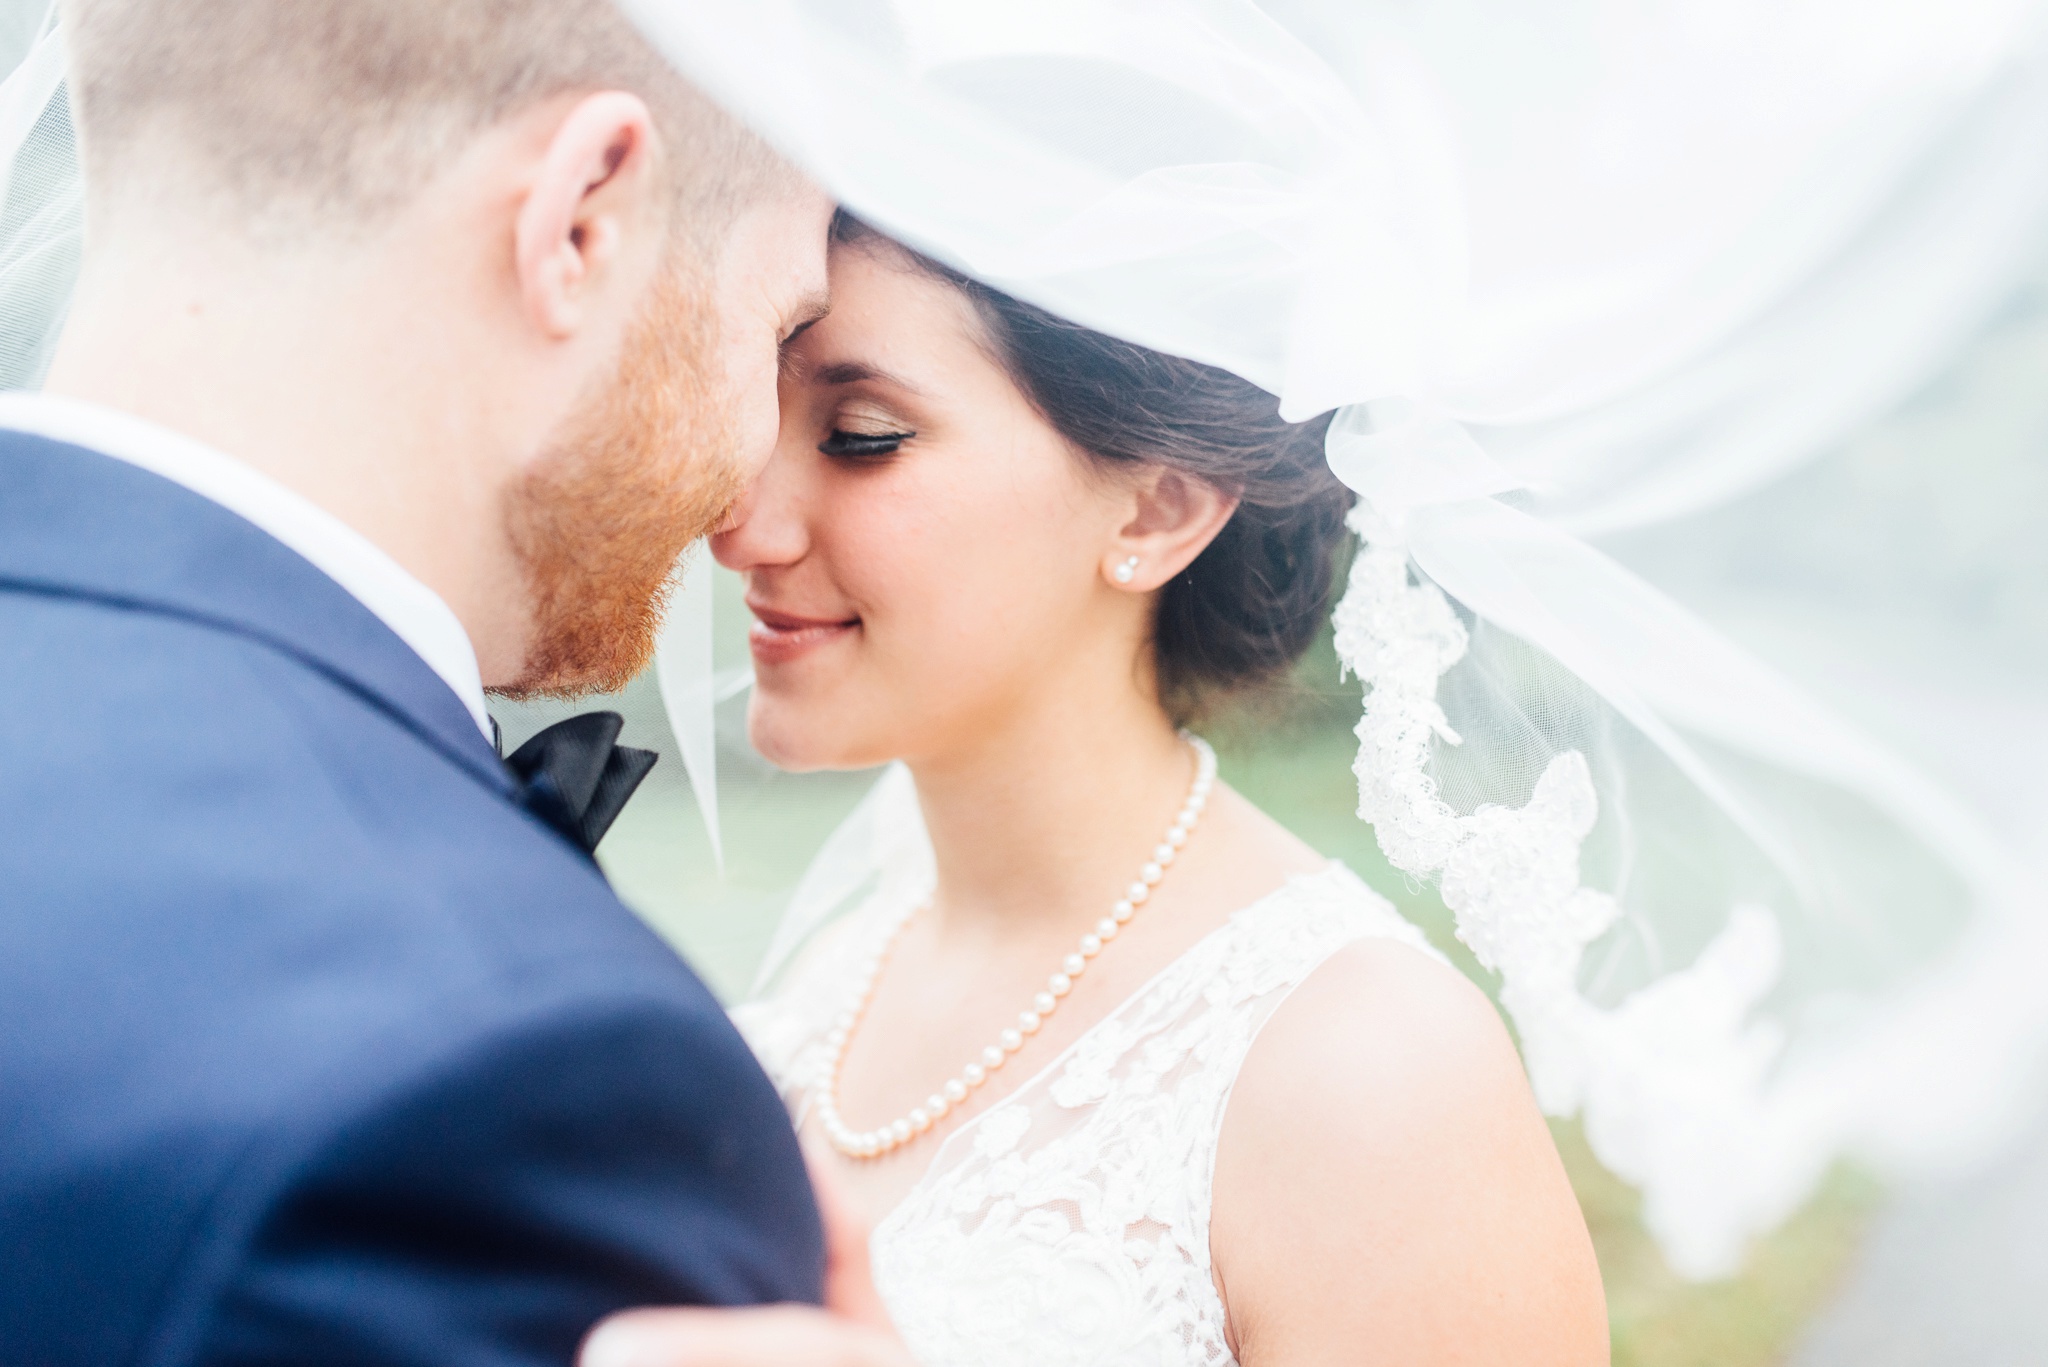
(1589, 283)
(1570, 272)
(42, 199)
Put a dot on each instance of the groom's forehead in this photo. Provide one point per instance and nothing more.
(776, 253)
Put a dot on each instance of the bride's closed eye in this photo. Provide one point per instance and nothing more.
(863, 445)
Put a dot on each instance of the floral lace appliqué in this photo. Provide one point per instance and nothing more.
(1070, 1224)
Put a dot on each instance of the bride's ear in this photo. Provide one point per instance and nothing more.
(1172, 519)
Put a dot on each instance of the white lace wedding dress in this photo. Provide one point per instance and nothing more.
(1069, 1223)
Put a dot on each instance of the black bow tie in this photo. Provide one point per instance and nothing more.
(575, 776)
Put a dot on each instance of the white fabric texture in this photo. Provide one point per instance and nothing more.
(42, 198)
(689, 689)
(1069, 1222)
(1569, 271)
(415, 613)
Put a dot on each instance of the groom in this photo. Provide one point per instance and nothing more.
(414, 339)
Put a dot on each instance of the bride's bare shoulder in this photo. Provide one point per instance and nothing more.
(1384, 1178)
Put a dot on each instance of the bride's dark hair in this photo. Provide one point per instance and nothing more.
(1250, 605)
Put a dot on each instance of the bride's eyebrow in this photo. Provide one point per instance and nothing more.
(859, 372)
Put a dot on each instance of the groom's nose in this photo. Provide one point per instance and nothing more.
(767, 526)
(727, 544)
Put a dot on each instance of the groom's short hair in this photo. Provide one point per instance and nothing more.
(346, 107)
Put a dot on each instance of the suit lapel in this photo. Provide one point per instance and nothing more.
(80, 524)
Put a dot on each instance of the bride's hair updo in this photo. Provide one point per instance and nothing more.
(1250, 605)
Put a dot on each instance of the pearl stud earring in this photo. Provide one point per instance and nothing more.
(1126, 572)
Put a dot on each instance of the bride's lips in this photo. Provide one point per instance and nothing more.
(777, 637)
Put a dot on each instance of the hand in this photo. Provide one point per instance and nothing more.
(852, 1331)
(768, 1336)
(849, 1282)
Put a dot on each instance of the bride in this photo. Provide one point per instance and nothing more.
(1139, 1077)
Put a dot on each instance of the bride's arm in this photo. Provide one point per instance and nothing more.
(1386, 1191)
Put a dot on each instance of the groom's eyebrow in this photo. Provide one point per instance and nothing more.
(809, 310)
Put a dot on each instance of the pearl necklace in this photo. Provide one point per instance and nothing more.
(888, 1138)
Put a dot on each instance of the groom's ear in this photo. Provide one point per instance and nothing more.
(589, 205)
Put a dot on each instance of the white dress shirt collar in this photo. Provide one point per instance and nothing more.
(414, 612)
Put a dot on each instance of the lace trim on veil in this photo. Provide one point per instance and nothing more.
(1672, 1082)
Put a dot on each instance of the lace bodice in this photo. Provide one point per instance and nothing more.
(1069, 1223)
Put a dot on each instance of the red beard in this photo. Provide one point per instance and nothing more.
(645, 467)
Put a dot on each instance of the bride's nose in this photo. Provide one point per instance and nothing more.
(769, 525)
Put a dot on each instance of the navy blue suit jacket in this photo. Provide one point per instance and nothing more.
(314, 1047)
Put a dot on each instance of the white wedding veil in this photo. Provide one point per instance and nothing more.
(1724, 737)
(42, 196)
(1588, 282)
